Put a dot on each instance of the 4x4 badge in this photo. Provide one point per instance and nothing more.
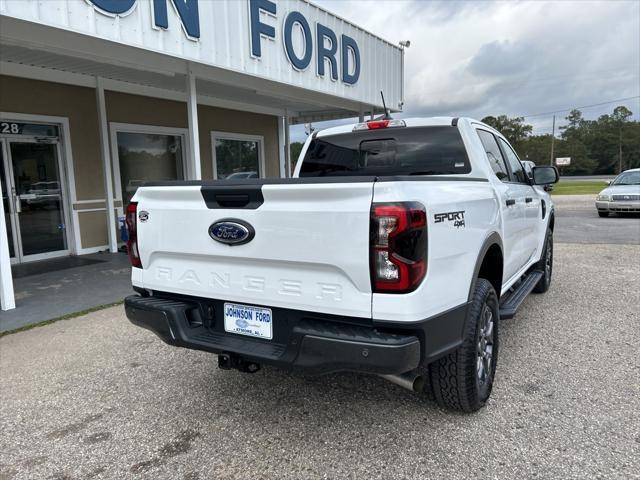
(456, 217)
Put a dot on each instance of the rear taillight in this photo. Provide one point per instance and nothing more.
(132, 230)
(398, 246)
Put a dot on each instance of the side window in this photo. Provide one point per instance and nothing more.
(516, 167)
(494, 155)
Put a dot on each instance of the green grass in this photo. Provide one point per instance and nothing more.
(578, 187)
(63, 317)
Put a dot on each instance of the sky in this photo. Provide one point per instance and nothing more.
(519, 58)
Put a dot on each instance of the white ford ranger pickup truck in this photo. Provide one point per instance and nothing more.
(395, 250)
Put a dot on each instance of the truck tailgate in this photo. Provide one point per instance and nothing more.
(310, 250)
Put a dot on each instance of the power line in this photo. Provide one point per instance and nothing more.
(578, 108)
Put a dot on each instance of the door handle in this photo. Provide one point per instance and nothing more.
(511, 201)
(528, 199)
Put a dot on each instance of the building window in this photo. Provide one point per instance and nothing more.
(237, 156)
(145, 153)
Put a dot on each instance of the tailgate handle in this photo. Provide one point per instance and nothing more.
(232, 201)
(222, 195)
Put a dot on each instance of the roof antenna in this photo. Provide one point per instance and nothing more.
(386, 111)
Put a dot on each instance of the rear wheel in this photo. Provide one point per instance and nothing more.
(463, 379)
(603, 214)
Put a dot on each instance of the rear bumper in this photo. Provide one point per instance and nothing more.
(302, 340)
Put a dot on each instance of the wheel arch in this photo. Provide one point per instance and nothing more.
(490, 264)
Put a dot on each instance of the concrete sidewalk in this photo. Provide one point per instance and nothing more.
(586, 178)
(53, 288)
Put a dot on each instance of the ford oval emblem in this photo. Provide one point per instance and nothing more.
(231, 231)
(242, 323)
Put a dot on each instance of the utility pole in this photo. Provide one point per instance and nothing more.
(620, 151)
(553, 138)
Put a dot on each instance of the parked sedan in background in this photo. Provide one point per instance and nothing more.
(528, 167)
(622, 195)
(242, 175)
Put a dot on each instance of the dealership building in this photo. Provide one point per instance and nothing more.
(99, 96)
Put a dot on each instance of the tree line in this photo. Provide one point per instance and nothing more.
(608, 145)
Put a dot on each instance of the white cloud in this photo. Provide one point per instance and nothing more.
(514, 58)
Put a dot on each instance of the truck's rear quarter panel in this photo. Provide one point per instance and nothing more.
(452, 250)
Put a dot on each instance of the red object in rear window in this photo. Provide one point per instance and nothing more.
(131, 220)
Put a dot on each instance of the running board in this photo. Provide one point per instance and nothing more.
(512, 301)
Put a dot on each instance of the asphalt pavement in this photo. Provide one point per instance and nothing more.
(577, 221)
(96, 397)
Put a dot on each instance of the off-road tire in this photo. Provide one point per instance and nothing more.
(603, 214)
(546, 268)
(454, 379)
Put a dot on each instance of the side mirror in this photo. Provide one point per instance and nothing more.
(545, 175)
(608, 182)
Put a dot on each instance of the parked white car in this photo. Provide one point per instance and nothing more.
(396, 250)
(528, 167)
(622, 195)
(240, 175)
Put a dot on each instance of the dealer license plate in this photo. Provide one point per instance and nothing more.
(247, 320)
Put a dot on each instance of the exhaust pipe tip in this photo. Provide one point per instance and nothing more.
(408, 380)
(418, 384)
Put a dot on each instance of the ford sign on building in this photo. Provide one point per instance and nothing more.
(99, 96)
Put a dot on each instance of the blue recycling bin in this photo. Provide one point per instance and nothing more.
(124, 235)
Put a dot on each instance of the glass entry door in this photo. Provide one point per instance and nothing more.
(32, 185)
(6, 199)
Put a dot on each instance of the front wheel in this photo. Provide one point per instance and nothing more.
(463, 379)
(603, 214)
(545, 265)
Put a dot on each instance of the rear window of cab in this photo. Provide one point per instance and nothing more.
(437, 150)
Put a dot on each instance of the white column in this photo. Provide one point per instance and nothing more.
(282, 147)
(103, 130)
(194, 170)
(287, 146)
(7, 299)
